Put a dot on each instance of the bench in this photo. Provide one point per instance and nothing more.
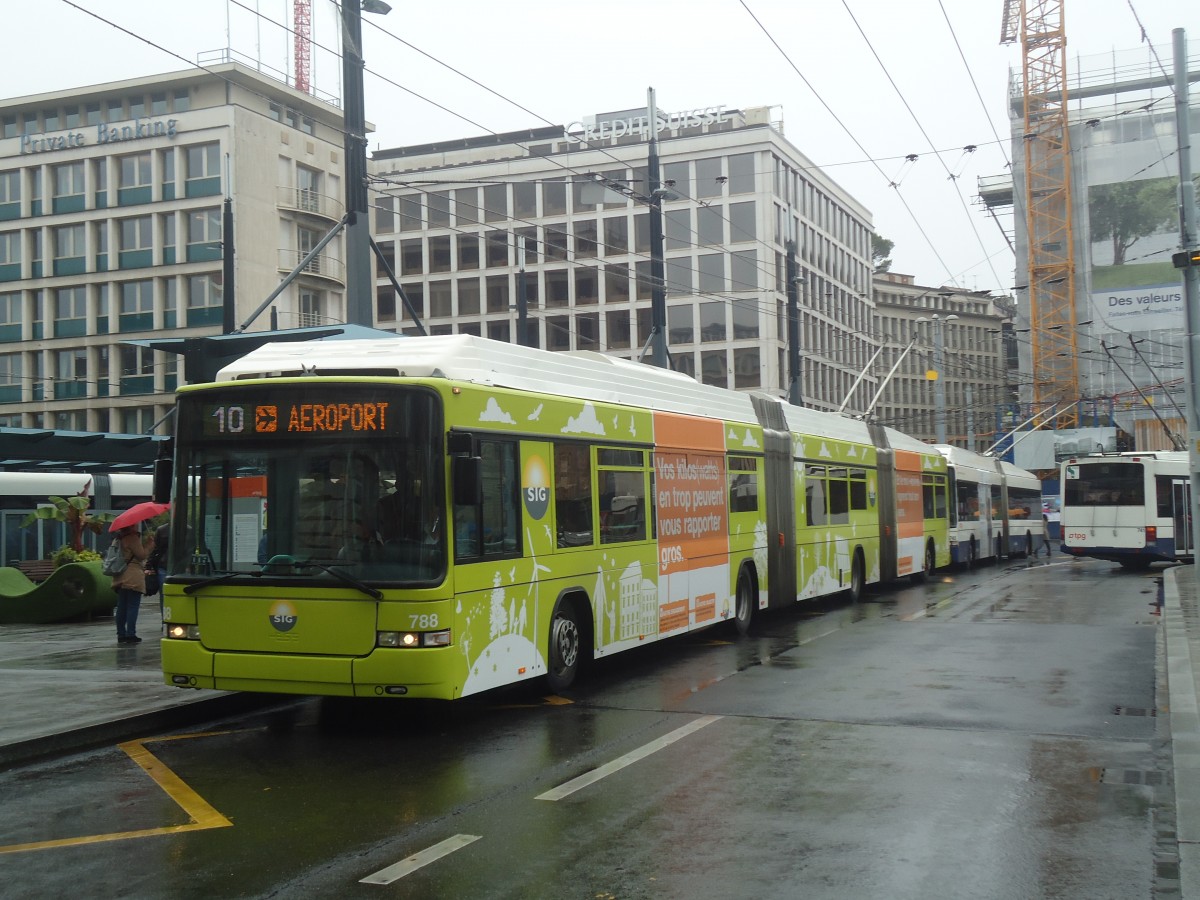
(36, 570)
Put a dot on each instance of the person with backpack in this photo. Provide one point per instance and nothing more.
(130, 582)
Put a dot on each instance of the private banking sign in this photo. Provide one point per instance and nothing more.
(138, 129)
(582, 132)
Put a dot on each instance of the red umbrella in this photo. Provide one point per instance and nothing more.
(138, 513)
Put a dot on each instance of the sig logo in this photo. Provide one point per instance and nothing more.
(282, 616)
(535, 487)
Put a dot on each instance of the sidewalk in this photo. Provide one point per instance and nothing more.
(1181, 620)
(69, 686)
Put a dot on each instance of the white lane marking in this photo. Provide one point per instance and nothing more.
(422, 858)
(588, 778)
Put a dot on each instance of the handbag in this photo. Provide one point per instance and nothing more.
(153, 581)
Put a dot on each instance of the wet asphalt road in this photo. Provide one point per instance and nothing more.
(988, 734)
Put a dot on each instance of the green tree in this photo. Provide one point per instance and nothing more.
(73, 512)
(881, 249)
(1127, 211)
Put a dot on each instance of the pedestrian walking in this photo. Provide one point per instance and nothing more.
(1046, 545)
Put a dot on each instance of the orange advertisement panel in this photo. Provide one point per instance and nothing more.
(673, 616)
(706, 608)
(910, 511)
(693, 522)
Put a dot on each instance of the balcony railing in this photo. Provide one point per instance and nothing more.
(321, 266)
(311, 202)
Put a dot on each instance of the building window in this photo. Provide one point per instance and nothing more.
(10, 194)
(410, 212)
(11, 381)
(135, 178)
(616, 283)
(308, 189)
(10, 309)
(439, 208)
(385, 215)
(741, 173)
(311, 308)
(137, 242)
(203, 170)
(204, 235)
(70, 373)
(712, 322)
(497, 293)
(439, 254)
(68, 187)
(10, 255)
(711, 268)
(137, 305)
(137, 369)
(205, 299)
(468, 251)
(743, 270)
(468, 296)
(677, 228)
(166, 159)
(746, 369)
(439, 300)
(681, 324)
(742, 222)
(713, 368)
(412, 257)
(69, 250)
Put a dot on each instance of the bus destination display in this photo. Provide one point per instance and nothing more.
(244, 419)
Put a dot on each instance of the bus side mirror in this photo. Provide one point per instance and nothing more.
(467, 475)
(164, 474)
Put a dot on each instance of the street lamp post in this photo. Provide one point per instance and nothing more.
(359, 283)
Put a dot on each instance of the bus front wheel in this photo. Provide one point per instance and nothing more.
(921, 576)
(564, 648)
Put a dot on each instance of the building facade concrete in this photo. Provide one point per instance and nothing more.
(566, 212)
(111, 211)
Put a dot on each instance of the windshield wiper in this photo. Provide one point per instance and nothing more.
(342, 577)
(218, 579)
(275, 564)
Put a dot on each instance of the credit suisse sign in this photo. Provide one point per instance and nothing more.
(581, 132)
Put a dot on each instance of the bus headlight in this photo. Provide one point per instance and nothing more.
(184, 632)
(404, 639)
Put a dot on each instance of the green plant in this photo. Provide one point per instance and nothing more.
(65, 554)
(73, 512)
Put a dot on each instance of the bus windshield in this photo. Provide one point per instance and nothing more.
(296, 481)
(1105, 484)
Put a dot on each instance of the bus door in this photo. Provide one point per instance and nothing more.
(1181, 500)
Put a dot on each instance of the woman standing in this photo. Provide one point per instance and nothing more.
(130, 584)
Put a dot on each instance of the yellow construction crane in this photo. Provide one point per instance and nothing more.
(1039, 27)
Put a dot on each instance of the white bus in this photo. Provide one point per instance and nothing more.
(996, 507)
(1130, 508)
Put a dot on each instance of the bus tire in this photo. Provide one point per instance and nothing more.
(1028, 544)
(564, 650)
(930, 561)
(858, 578)
(744, 602)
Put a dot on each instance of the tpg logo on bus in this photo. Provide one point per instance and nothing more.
(282, 615)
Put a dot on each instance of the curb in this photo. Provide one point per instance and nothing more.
(118, 730)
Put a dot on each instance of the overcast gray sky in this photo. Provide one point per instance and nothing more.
(858, 84)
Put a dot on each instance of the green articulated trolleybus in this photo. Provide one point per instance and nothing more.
(433, 517)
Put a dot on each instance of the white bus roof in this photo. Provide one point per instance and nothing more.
(584, 375)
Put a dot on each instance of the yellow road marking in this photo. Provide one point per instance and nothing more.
(201, 813)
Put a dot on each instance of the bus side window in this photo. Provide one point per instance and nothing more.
(573, 495)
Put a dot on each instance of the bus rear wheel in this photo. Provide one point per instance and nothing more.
(565, 647)
(743, 611)
(921, 576)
